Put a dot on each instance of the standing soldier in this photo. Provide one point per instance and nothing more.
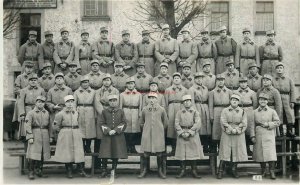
(187, 77)
(95, 76)
(166, 50)
(173, 95)
(199, 94)
(104, 51)
(69, 143)
(207, 52)
(72, 79)
(233, 144)
(226, 48)
(209, 79)
(246, 53)
(218, 99)
(231, 76)
(113, 124)
(83, 53)
(254, 79)
(270, 54)
(153, 85)
(146, 52)
(63, 52)
(163, 78)
(187, 52)
(48, 49)
(154, 121)
(126, 52)
(187, 125)
(47, 81)
(286, 88)
(37, 124)
(266, 121)
(119, 77)
(142, 79)
(106, 90)
(248, 102)
(131, 102)
(32, 51)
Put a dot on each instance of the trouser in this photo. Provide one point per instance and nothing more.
(205, 141)
(87, 145)
(132, 139)
(97, 144)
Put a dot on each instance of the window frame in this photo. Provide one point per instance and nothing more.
(263, 32)
(106, 17)
(216, 32)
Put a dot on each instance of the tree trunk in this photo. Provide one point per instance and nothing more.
(170, 17)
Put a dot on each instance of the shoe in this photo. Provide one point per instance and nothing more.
(69, 171)
(182, 170)
(31, 164)
(160, 162)
(290, 132)
(221, 169)
(272, 169)
(194, 170)
(144, 170)
(234, 171)
(263, 169)
(81, 170)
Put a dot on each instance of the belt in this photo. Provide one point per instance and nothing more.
(186, 127)
(205, 57)
(286, 93)
(174, 101)
(131, 107)
(104, 103)
(201, 102)
(271, 104)
(259, 125)
(127, 57)
(233, 88)
(245, 105)
(225, 105)
(271, 58)
(225, 55)
(84, 58)
(166, 53)
(247, 57)
(40, 127)
(70, 127)
(183, 58)
(105, 55)
(48, 58)
(31, 58)
(146, 56)
(85, 105)
(63, 58)
(29, 104)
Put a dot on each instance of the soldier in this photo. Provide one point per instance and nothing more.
(270, 54)
(233, 144)
(119, 77)
(63, 52)
(31, 51)
(248, 102)
(207, 52)
(187, 52)
(209, 79)
(254, 79)
(218, 99)
(153, 85)
(47, 81)
(131, 102)
(69, 143)
(126, 52)
(163, 78)
(146, 52)
(154, 121)
(113, 124)
(199, 94)
(95, 76)
(266, 121)
(166, 50)
(187, 79)
(48, 49)
(187, 124)
(226, 48)
(83, 53)
(286, 88)
(142, 78)
(37, 124)
(173, 95)
(104, 51)
(246, 53)
(72, 79)
(231, 76)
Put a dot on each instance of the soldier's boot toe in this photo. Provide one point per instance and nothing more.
(69, 174)
(272, 170)
(272, 174)
(143, 173)
(195, 174)
(133, 150)
(31, 175)
(234, 171)
(83, 174)
(181, 174)
(290, 132)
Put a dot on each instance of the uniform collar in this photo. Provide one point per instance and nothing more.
(270, 43)
(234, 72)
(127, 43)
(179, 87)
(98, 73)
(141, 75)
(190, 109)
(256, 76)
(101, 41)
(202, 42)
(68, 42)
(31, 88)
(69, 111)
(84, 90)
(278, 77)
(134, 91)
(240, 90)
(186, 40)
(109, 89)
(121, 74)
(221, 89)
(152, 108)
(85, 43)
(249, 41)
(30, 43)
(56, 88)
(237, 109)
(262, 108)
(268, 88)
(198, 87)
(50, 76)
(208, 74)
(49, 43)
(37, 110)
(70, 75)
(110, 109)
(161, 76)
(145, 42)
(166, 38)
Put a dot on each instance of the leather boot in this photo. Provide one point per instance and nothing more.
(81, 170)
(31, 169)
(88, 145)
(221, 169)
(289, 132)
(234, 170)
(194, 170)
(144, 170)
(173, 145)
(182, 172)
(263, 169)
(114, 167)
(69, 170)
(133, 150)
(104, 168)
(160, 167)
(272, 169)
(39, 169)
(249, 152)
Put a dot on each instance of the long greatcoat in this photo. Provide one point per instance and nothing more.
(47, 82)
(233, 144)
(187, 54)
(63, 54)
(83, 56)
(127, 53)
(104, 50)
(41, 142)
(146, 51)
(207, 51)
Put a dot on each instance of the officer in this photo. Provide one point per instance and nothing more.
(254, 79)
(166, 50)
(119, 77)
(104, 51)
(63, 52)
(83, 53)
(95, 76)
(207, 52)
(146, 52)
(187, 76)
(142, 79)
(226, 48)
(72, 78)
(231, 76)
(187, 52)
(47, 81)
(126, 51)
(32, 51)
(209, 79)
(48, 49)
(163, 78)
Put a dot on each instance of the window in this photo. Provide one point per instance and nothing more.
(95, 10)
(219, 15)
(29, 22)
(264, 17)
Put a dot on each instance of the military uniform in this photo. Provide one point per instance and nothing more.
(209, 79)
(254, 82)
(187, 81)
(164, 81)
(160, 97)
(47, 82)
(48, 50)
(231, 78)
(83, 55)
(142, 80)
(95, 78)
(72, 80)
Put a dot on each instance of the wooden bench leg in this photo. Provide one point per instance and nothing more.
(284, 157)
(21, 165)
(93, 166)
(164, 165)
(141, 163)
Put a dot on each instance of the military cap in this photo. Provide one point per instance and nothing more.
(228, 62)
(84, 78)
(112, 96)
(125, 32)
(263, 95)
(95, 61)
(199, 74)
(63, 29)
(164, 64)
(28, 63)
(243, 79)
(103, 29)
(185, 30)
(206, 63)
(33, 76)
(186, 64)
(153, 82)
(165, 26)
(48, 33)
(186, 97)
(279, 64)
(68, 97)
(253, 64)
(107, 76)
(204, 30)
(246, 30)
(140, 63)
(222, 28)
(220, 77)
(152, 94)
(130, 79)
(72, 63)
(270, 32)
(145, 32)
(119, 63)
(47, 64)
(176, 74)
(236, 96)
(84, 31)
(59, 75)
(43, 98)
(32, 32)
(267, 76)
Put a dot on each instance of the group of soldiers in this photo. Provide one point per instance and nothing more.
(204, 97)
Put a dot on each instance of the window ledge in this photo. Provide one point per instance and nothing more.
(218, 33)
(96, 18)
(260, 32)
